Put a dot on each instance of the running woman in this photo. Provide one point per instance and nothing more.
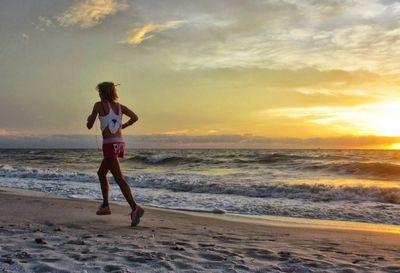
(110, 114)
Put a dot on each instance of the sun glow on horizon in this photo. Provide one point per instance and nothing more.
(375, 119)
(380, 119)
(395, 146)
(384, 119)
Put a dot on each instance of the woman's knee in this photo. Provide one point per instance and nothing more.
(101, 173)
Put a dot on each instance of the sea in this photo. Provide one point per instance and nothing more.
(349, 185)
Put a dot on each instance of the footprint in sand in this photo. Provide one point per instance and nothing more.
(178, 248)
(212, 257)
(284, 255)
(51, 260)
(261, 254)
(75, 242)
(22, 255)
(206, 245)
(115, 269)
(140, 257)
(328, 249)
(40, 241)
(183, 265)
(392, 269)
(242, 267)
(347, 270)
(44, 268)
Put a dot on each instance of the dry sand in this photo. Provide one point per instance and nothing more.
(39, 233)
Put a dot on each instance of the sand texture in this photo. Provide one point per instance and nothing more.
(45, 234)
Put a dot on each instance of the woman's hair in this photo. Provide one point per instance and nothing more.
(107, 91)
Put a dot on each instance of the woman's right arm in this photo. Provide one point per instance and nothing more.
(132, 116)
(92, 117)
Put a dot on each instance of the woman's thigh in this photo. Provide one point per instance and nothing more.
(104, 167)
(115, 168)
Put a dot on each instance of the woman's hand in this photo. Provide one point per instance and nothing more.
(88, 123)
(126, 124)
(129, 113)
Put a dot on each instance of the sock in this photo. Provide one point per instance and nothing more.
(105, 204)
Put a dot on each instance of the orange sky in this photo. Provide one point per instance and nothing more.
(274, 70)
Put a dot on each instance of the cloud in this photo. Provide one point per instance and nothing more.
(42, 23)
(138, 35)
(299, 78)
(45, 21)
(202, 141)
(89, 13)
(348, 34)
(332, 92)
(8, 133)
(25, 36)
(376, 118)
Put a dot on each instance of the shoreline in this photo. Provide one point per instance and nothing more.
(43, 233)
(299, 184)
(280, 221)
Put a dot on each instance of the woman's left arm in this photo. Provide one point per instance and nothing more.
(92, 117)
(133, 117)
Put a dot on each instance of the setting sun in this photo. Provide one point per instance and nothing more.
(395, 146)
(384, 119)
(378, 119)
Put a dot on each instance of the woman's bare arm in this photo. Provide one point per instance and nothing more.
(92, 117)
(133, 117)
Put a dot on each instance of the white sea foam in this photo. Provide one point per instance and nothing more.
(227, 184)
(285, 183)
(194, 192)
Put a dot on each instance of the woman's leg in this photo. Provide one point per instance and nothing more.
(102, 173)
(119, 178)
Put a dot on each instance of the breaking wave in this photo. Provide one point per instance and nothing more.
(360, 169)
(209, 184)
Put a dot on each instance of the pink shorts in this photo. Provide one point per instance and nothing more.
(113, 147)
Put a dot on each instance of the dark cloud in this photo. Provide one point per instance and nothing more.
(202, 141)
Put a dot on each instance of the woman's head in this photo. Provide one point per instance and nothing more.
(107, 91)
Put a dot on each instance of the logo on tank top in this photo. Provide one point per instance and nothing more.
(117, 147)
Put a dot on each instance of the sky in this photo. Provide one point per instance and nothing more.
(203, 74)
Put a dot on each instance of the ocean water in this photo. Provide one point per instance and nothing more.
(351, 185)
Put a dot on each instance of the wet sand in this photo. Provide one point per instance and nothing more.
(42, 233)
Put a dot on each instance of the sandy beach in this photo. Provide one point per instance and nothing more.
(42, 233)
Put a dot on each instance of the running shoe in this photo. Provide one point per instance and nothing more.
(136, 215)
(103, 211)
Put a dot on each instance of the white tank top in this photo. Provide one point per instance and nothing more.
(111, 120)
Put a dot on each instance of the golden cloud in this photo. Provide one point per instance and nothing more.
(89, 13)
(139, 34)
